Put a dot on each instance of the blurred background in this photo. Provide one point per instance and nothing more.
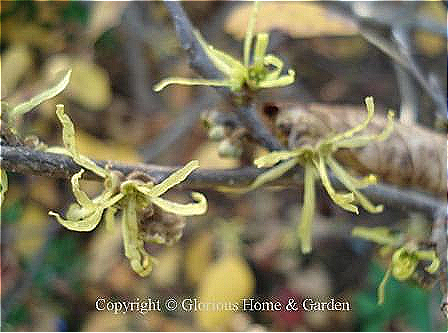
(341, 52)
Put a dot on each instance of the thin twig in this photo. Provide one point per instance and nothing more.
(201, 63)
(27, 161)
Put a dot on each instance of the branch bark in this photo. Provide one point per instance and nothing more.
(28, 161)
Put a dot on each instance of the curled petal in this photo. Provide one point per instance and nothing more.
(429, 255)
(309, 203)
(86, 224)
(81, 197)
(197, 208)
(172, 180)
(68, 136)
(341, 199)
(434, 266)
(277, 63)
(404, 264)
(351, 183)
(370, 112)
(282, 81)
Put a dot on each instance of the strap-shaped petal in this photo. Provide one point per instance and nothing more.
(139, 259)
(362, 141)
(382, 286)
(351, 183)
(250, 34)
(344, 200)
(197, 208)
(58, 150)
(87, 224)
(68, 131)
(379, 235)
(42, 97)
(4, 185)
(109, 202)
(109, 218)
(307, 215)
(271, 159)
(191, 82)
(261, 45)
(68, 136)
(172, 180)
(224, 62)
(266, 177)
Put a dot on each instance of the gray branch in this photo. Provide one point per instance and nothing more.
(28, 161)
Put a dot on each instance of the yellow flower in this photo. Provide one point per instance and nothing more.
(315, 161)
(130, 196)
(264, 71)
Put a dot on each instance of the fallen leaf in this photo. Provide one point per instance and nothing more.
(198, 256)
(166, 273)
(31, 230)
(89, 84)
(103, 16)
(298, 19)
(226, 282)
(105, 150)
(16, 62)
(208, 157)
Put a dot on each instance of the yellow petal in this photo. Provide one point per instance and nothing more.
(197, 208)
(68, 136)
(274, 157)
(173, 179)
(266, 177)
(87, 224)
(42, 97)
(307, 216)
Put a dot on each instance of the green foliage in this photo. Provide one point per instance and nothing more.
(407, 302)
(264, 71)
(131, 196)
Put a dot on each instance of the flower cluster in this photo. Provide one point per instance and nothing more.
(137, 198)
(406, 257)
(315, 160)
(265, 70)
